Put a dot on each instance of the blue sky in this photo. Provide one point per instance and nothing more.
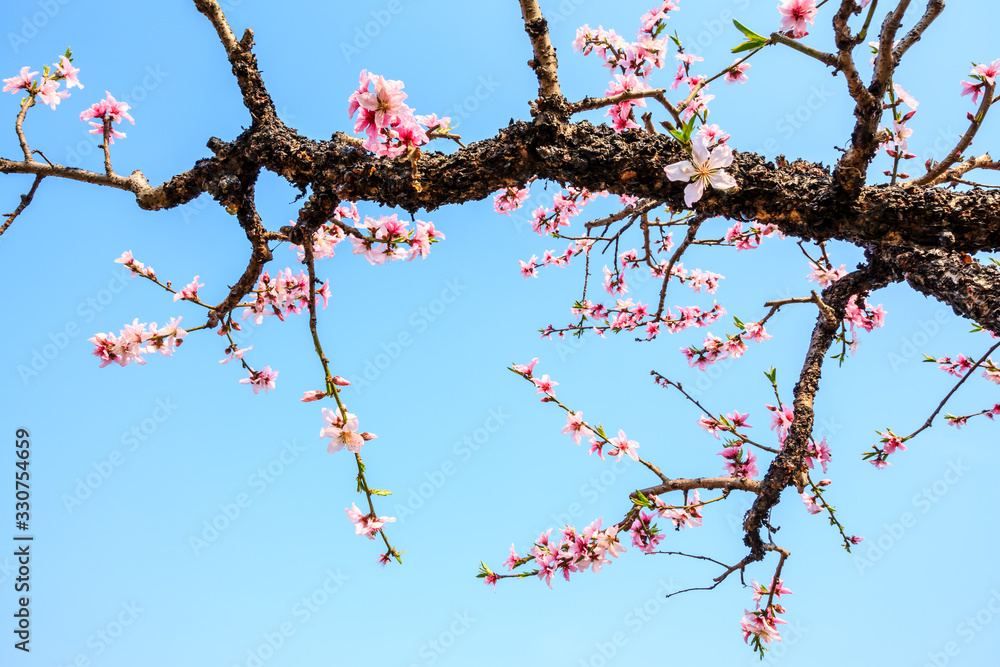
(132, 466)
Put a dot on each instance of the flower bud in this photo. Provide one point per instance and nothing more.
(340, 382)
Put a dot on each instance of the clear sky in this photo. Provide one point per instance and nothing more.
(132, 466)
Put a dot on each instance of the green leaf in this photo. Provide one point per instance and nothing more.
(747, 46)
(747, 32)
(380, 492)
(754, 41)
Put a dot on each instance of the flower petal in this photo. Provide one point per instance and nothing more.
(720, 180)
(680, 171)
(693, 192)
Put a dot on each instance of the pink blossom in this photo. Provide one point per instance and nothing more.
(826, 277)
(756, 332)
(526, 370)
(622, 445)
(904, 96)
(342, 433)
(48, 94)
(69, 73)
(432, 122)
(596, 445)
(988, 72)
(21, 81)
(544, 385)
(386, 102)
(781, 419)
(714, 134)
(310, 396)
(795, 14)
(262, 379)
(236, 354)
(735, 73)
(510, 200)
(366, 524)
(190, 291)
(575, 427)
(811, 505)
(110, 108)
(818, 451)
(511, 559)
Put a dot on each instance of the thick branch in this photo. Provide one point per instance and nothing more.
(953, 278)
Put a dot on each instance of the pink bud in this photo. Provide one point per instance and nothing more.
(340, 382)
(367, 436)
(312, 396)
(909, 116)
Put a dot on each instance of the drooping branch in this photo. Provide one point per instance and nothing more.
(788, 467)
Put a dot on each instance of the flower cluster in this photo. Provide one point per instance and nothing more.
(762, 624)
(826, 275)
(46, 90)
(715, 349)
(890, 443)
(389, 239)
(391, 128)
(957, 367)
(750, 239)
(510, 200)
(550, 258)
(866, 317)
(283, 295)
(574, 552)
(566, 204)
(137, 267)
(137, 339)
(628, 316)
(635, 60)
(109, 110)
(328, 235)
(739, 462)
(646, 535)
(985, 75)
